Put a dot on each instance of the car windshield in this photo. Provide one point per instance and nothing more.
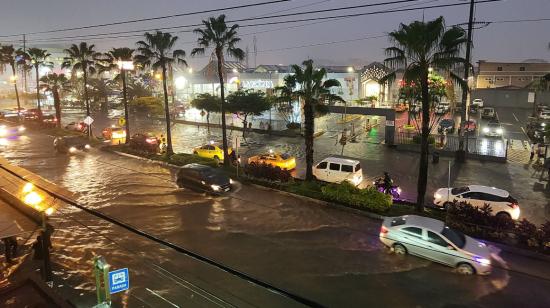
(454, 236)
(459, 190)
(493, 125)
(285, 156)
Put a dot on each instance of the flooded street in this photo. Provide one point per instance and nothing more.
(323, 254)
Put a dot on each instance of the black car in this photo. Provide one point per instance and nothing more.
(49, 120)
(71, 144)
(447, 125)
(203, 178)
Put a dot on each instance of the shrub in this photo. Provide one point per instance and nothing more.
(346, 193)
(293, 125)
(268, 172)
(418, 138)
(181, 159)
(308, 189)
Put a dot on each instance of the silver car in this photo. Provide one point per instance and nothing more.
(431, 239)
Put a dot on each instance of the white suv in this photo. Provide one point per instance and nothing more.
(500, 200)
(478, 102)
(338, 170)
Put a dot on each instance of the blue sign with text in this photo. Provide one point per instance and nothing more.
(119, 280)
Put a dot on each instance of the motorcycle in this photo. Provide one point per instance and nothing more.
(394, 191)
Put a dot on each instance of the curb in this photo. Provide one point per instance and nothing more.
(161, 163)
(520, 251)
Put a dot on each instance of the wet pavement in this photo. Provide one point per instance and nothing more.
(327, 255)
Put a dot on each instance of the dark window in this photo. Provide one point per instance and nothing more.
(459, 190)
(335, 167)
(500, 79)
(357, 167)
(499, 68)
(436, 239)
(398, 221)
(347, 168)
(322, 165)
(417, 232)
(454, 236)
(522, 68)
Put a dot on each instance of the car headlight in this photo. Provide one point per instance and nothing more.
(3, 131)
(437, 196)
(215, 187)
(72, 149)
(515, 212)
(21, 128)
(231, 181)
(499, 131)
(486, 129)
(482, 261)
(87, 147)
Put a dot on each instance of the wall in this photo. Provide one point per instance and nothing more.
(509, 98)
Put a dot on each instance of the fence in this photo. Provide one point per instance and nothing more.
(483, 146)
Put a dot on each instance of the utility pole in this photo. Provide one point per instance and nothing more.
(23, 67)
(461, 153)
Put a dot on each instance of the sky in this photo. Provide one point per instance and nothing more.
(279, 44)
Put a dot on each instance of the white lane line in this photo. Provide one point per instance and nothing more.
(515, 117)
(523, 130)
(159, 296)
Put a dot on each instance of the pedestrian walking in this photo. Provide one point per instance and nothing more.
(532, 155)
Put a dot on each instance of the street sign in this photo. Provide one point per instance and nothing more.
(121, 122)
(236, 142)
(390, 123)
(88, 120)
(119, 280)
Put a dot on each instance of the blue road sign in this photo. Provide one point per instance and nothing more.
(119, 280)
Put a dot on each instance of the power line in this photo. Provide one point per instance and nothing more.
(387, 11)
(153, 18)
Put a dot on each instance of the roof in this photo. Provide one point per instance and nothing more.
(424, 222)
(341, 160)
(266, 68)
(490, 190)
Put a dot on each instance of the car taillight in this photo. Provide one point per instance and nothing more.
(383, 230)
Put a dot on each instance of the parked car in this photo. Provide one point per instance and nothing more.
(478, 102)
(71, 144)
(500, 200)
(544, 114)
(430, 239)
(32, 114)
(474, 109)
(337, 170)
(11, 131)
(147, 142)
(488, 113)
(446, 125)
(493, 129)
(49, 120)
(203, 177)
(12, 113)
(283, 161)
(212, 151)
(113, 132)
(470, 126)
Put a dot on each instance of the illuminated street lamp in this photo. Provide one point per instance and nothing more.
(190, 70)
(13, 79)
(351, 69)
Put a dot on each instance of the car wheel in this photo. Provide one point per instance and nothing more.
(217, 159)
(503, 215)
(195, 153)
(465, 269)
(399, 249)
(447, 205)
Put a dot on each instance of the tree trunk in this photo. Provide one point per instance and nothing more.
(308, 135)
(125, 102)
(208, 121)
(16, 93)
(424, 145)
(86, 99)
(245, 125)
(169, 149)
(219, 55)
(38, 93)
(57, 106)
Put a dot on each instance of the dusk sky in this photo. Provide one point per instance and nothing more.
(498, 41)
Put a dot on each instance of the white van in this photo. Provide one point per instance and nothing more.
(337, 170)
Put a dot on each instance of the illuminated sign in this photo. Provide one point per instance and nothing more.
(258, 84)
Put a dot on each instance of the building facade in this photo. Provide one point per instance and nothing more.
(510, 75)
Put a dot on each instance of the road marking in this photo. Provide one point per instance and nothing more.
(515, 117)
(523, 130)
(158, 295)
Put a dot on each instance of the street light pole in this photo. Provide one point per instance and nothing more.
(461, 153)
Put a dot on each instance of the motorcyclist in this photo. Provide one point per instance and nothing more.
(388, 183)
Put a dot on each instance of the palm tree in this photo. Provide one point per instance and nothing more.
(55, 83)
(37, 58)
(314, 93)
(417, 47)
(116, 59)
(82, 58)
(156, 52)
(8, 56)
(286, 97)
(217, 35)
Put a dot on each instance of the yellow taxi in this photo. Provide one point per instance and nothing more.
(212, 150)
(283, 161)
